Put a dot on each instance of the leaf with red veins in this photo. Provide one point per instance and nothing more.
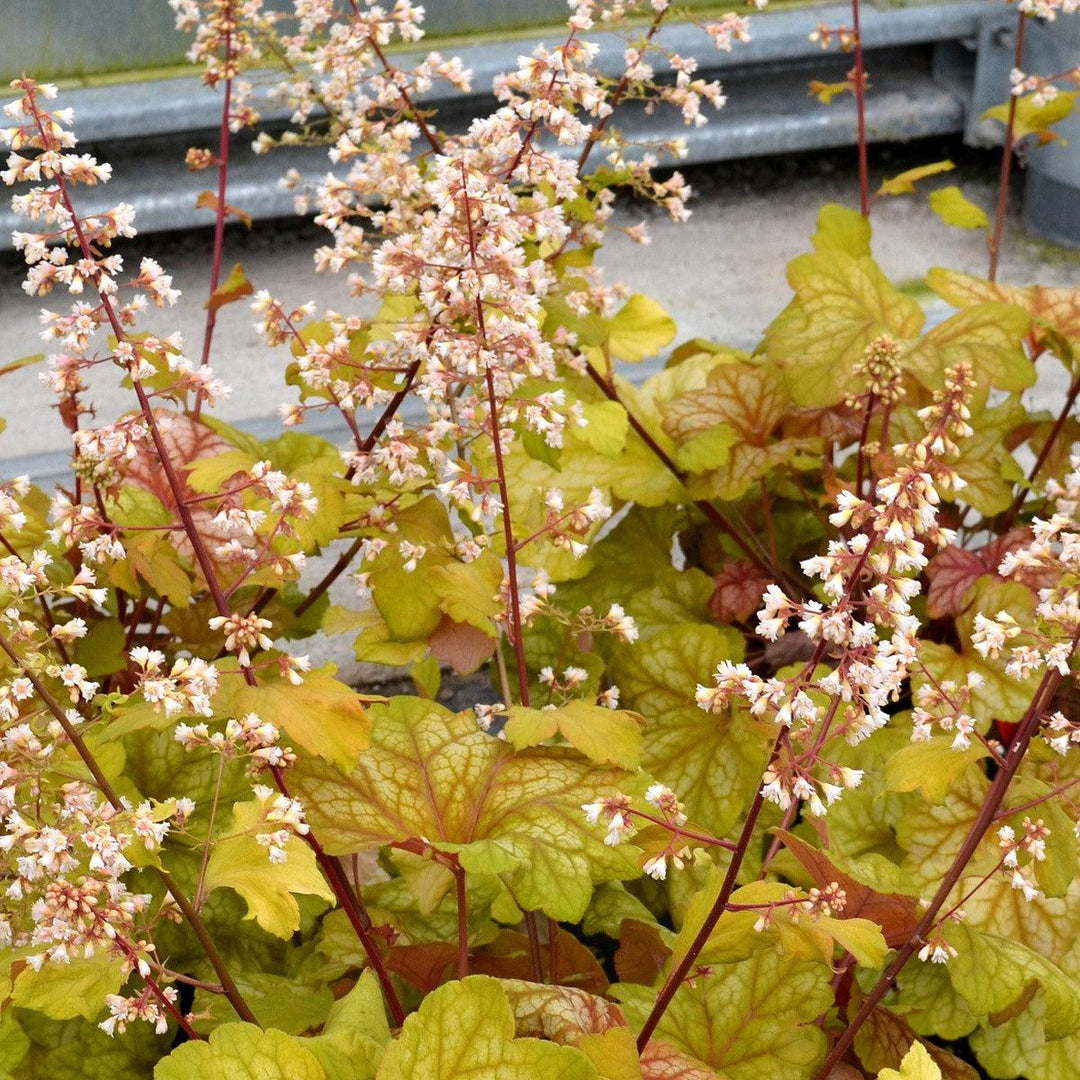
(435, 775)
(737, 589)
(186, 441)
(561, 1014)
(953, 570)
(661, 1061)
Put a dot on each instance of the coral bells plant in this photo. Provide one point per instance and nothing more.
(777, 771)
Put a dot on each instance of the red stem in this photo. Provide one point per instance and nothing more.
(994, 242)
(463, 922)
(983, 822)
(352, 905)
(219, 215)
(860, 112)
(682, 969)
(1044, 453)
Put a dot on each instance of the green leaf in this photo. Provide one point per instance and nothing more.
(354, 1034)
(749, 1020)
(990, 973)
(988, 338)
(101, 652)
(1035, 119)
(842, 303)
(640, 328)
(240, 862)
(14, 1044)
(954, 208)
(611, 736)
(322, 715)
(931, 766)
(917, 1065)
(840, 228)
(466, 1030)
(712, 762)
(904, 183)
(64, 991)
(430, 773)
(242, 1052)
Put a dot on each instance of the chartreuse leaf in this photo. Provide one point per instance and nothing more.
(430, 773)
(354, 1034)
(839, 228)
(725, 429)
(465, 1031)
(640, 328)
(614, 1053)
(242, 1052)
(469, 592)
(931, 766)
(1034, 118)
(986, 337)
(235, 287)
(904, 183)
(322, 715)
(604, 735)
(956, 209)
(1020, 1047)
(712, 762)
(842, 303)
(748, 1020)
(238, 861)
(991, 973)
(64, 991)
(917, 1065)
(735, 937)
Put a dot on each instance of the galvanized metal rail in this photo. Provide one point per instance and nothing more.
(927, 76)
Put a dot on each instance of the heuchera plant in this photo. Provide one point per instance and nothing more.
(779, 779)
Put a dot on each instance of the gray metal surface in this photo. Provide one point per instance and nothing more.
(143, 128)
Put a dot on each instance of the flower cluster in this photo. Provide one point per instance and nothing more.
(866, 632)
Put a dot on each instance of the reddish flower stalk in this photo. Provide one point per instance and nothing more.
(351, 903)
(994, 241)
(860, 111)
(986, 818)
(219, 214)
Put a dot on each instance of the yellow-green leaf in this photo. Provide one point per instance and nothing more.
(904, 183)
(1033, 118)
(604, 735)
(430, 773)
(64, 991)
(322, 715)
(931, 766)
(842, 303)
(956, 209)
(640, 328)
(713, 762)
(465, 1031)
(917, 1065)
(749, 1020)
(240, 862)
(241, 1052)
